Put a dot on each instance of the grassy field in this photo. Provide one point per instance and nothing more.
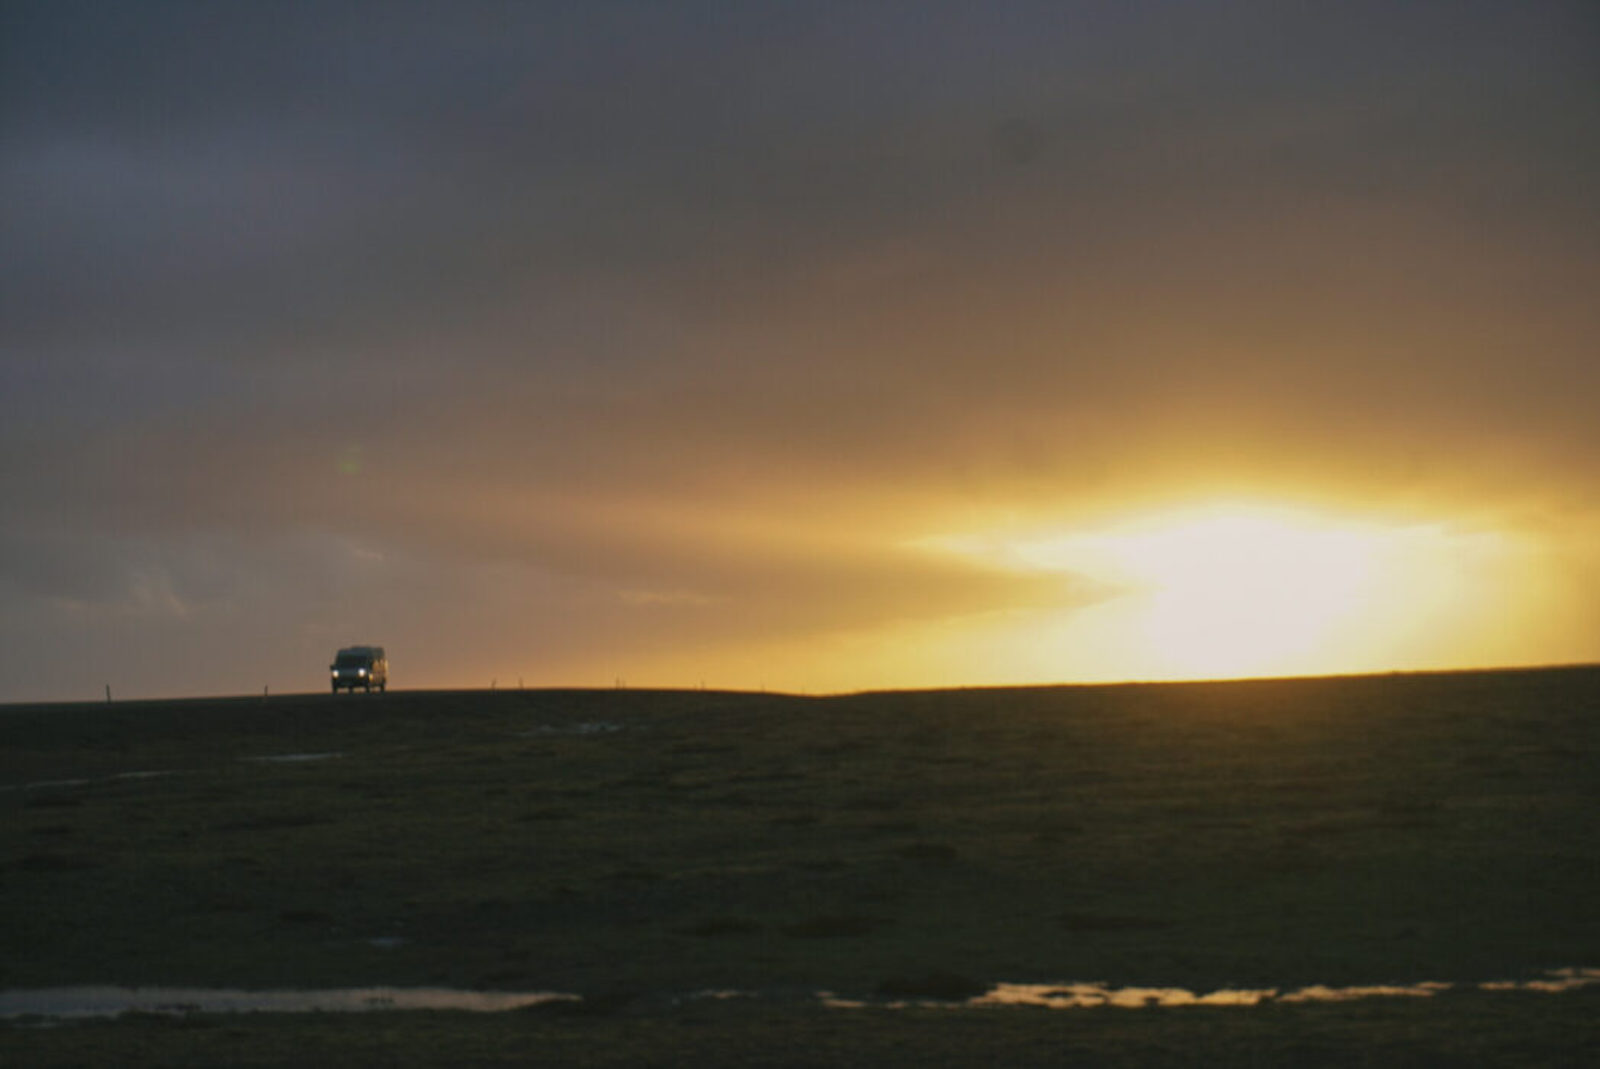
(637, 846)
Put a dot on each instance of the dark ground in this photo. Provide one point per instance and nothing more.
(632, 846)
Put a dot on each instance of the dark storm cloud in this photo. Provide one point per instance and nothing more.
(528, 266)
(206, 179)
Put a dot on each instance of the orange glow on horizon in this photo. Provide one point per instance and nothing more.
(1231, 588)
(1245, 590)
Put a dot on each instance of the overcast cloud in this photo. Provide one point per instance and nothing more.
(559, 338)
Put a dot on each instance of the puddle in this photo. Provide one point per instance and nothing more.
(591, 727)
(1086, 995)
(56, 784)
(113, 1001)
(48, 784)
(1319, 993)
(1069, 996)
(1560, 980)
(106, 1001)
(1076, 996)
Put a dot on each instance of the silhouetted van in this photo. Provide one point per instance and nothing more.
(360, 666)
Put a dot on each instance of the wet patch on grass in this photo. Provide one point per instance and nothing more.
(584, 729)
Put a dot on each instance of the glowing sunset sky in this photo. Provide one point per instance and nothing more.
(814, 346)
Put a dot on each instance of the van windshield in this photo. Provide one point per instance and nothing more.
(352, 660)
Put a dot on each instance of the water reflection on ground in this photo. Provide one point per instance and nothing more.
(119, 777)
(67, 1002)
(1080, 995)
(112, 1001)
(588, 727)
(47, 784)
(1073, 996)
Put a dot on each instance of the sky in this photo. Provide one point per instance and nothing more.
(802, 346)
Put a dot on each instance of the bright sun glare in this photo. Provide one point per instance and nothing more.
(1243, 590)
(1233, 591)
